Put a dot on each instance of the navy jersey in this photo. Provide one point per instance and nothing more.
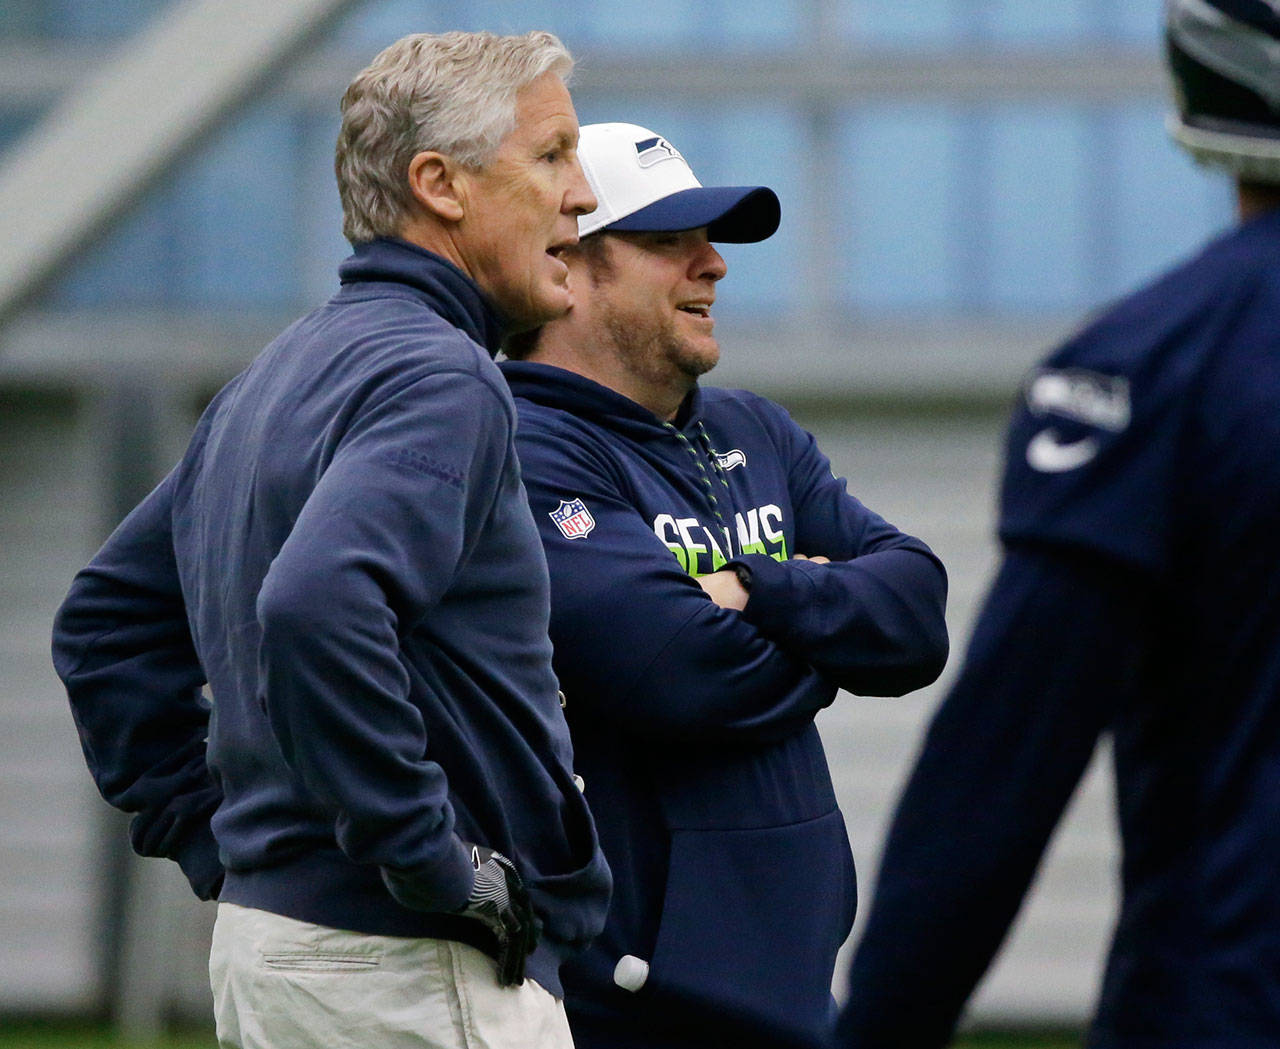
(693, 724)
(1140, 594)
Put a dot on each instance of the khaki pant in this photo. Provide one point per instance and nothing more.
(285, 984)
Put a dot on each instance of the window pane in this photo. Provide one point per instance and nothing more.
(221, 233)
(763, 24)
(14, 124)
(237, 203)
(1167, 205)
(899, 208)
(562, 17)
(915, 23)
(376, 24)
(320, 243)
(1039, 229)
(624, 25)
(24, 18)
(757, 147)
(619, 25)
(1020, 21)
(1136, 21)
(372, 26)
(120, 18)
(933, 23)
(630, 26)
(132, 266)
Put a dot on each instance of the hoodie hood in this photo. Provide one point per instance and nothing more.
(679, 448)
(567, 391)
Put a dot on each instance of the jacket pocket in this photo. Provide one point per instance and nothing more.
(752, 921)
(318, 962)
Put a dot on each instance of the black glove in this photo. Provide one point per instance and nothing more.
(500, 901)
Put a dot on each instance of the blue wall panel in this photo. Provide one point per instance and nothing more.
(1036, 24)
(900, 209)
(136, 265)
(1009, 209)
(902, 23)
(1036, 200)
(1166, 205)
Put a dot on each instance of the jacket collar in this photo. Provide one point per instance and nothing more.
(445, 288)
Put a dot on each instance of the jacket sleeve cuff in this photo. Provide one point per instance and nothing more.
(443, 886)
(773, 590)
(776, 591)
(198, 858)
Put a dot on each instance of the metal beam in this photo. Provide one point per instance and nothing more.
(835, 71)
(852, 74)
(839, 73)
(34, 73)
(111, 136)
(797, 356)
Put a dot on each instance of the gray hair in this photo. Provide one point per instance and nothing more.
(452, 93)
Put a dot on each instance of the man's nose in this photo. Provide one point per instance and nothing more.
(578, 198)
(710, 263)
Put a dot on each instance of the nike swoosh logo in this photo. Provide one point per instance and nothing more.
(1048, 454)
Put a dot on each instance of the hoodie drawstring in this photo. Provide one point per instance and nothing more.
(705, 477)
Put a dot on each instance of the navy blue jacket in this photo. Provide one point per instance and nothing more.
(1139, 594)
(345, 555)
(693, 724)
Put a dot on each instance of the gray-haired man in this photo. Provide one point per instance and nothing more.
(381, 797)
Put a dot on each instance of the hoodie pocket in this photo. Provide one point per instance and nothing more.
(752, 920)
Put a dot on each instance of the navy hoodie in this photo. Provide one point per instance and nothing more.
(346, 557)
(693, 724)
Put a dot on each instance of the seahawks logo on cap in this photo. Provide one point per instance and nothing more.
(650, 151)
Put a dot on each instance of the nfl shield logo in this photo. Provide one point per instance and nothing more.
(573, 519)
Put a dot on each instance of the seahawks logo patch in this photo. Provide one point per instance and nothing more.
(1080, 397)
(728, 460)
(1089, 397)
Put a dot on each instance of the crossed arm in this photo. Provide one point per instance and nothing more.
(123, 647)
(725, 586)
(693, 658)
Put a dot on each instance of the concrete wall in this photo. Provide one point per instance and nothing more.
(48, 811)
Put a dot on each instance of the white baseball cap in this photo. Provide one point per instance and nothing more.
(643, 184)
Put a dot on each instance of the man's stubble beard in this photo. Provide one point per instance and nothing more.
(650, 347)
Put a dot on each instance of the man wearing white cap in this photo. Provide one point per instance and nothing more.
(713, 586)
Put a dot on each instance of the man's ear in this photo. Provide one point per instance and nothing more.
(434, 183)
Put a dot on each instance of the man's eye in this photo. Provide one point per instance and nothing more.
(552, 156)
